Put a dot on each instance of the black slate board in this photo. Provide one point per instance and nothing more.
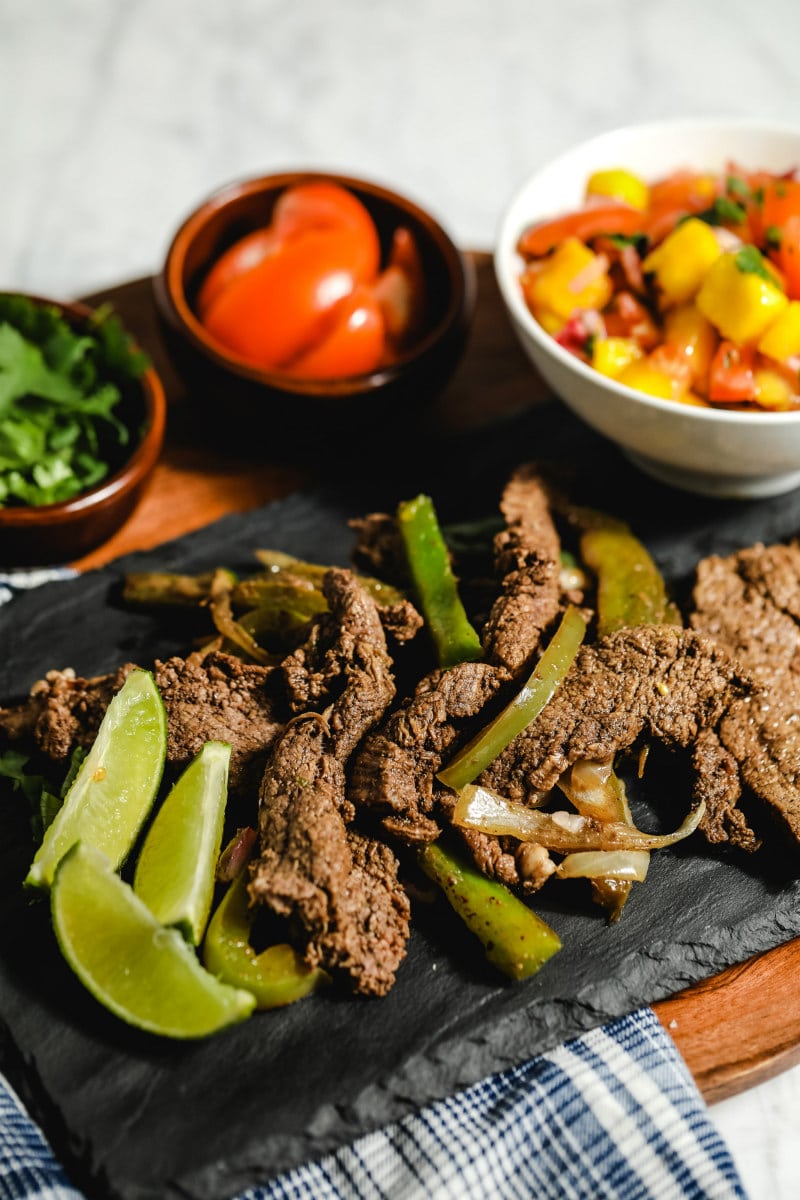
(136, 1118)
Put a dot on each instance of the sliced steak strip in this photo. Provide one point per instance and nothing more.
(216, 697)
(338, 888)
(749, 602)
(63, 711)
(221, 698)
(394, 770)
(667, 683)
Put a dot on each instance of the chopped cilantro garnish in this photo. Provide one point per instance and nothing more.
(59, 395)
(737, 187)
(750, 262)
(723, 209)
(639, 241)
(772, 236)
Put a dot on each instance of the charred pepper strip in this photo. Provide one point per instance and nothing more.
(630, 587)
(276, 977)
(454, 638)
(515, 940)
(524, 708)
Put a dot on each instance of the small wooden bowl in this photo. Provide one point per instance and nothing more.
(59, 533)
(267, 401)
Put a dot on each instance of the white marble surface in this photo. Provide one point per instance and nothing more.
(119, 116)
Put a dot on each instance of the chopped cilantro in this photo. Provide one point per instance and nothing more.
(750, 262)
(639, 241)
(737, 188)
(59, 394)
(772, 236)
(723, 209)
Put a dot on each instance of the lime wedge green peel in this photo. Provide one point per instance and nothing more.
(145, 974)
(277, 976)
(114, 790)
(175, 869)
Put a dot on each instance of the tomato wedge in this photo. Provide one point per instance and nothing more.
(352, 345)
(586, 223)
(320, 204)
(239, 258)
(277, 310)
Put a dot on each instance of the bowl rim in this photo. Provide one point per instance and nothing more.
(506, 262)
(171, 295)
(129, 475)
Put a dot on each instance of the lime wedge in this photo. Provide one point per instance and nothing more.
(277, 976)
(175, 870)
(145, 974)
(117, 783)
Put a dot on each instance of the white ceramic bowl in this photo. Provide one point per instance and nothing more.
(740, 455)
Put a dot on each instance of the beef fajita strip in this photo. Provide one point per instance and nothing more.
(394, 771)
(749, 602)
(662, 682)
(216, 697)
(338, 888)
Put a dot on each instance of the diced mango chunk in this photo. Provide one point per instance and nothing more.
(681, 262)
(611, 355)
(572, 277)
(688, 330)
(738, 300)
(781, 340)
(619, 184)
(773, 390)
(643, 376)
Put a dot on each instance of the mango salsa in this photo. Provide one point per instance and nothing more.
(684, 287)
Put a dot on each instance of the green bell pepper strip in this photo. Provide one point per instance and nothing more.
(515, 939)
(454, 638)
(630, 587)
(524, 708)
(276, 977)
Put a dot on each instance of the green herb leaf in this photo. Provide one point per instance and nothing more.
(750, 262)
(59, 397)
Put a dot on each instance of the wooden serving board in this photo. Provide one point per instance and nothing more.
(733, 1030)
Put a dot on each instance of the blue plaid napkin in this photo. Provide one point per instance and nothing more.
(611, 1115)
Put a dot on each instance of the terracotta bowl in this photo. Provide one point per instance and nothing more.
(249, 398)
(63, 532)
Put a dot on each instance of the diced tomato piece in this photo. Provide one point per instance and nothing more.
(787, 256)
(628, 317)
(584, 224)
(400, 289)
(732, 378)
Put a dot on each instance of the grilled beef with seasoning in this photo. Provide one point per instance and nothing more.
(749, 602)
(338, 888)
(661, 682)
(394, 771)
(217, 697)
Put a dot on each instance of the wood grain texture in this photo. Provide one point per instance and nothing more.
(734, 1030)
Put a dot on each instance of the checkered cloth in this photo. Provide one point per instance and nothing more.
(611, 1115)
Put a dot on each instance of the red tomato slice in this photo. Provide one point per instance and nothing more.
(400, 289)
(586, 223)
(278, 310)
(787, 256)
(320, 204)
(731, 378)
(353, 344)
(242, 256)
